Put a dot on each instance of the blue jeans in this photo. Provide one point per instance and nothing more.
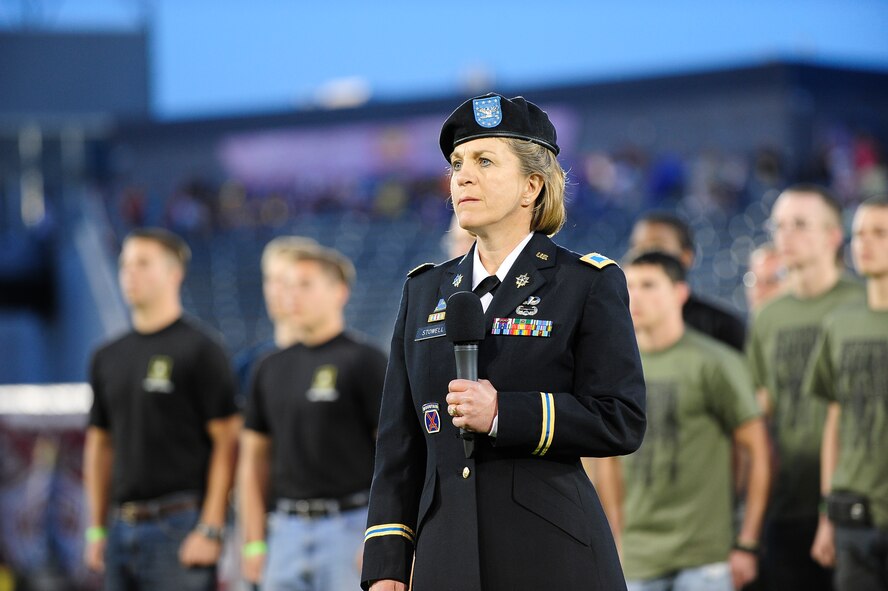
(314, 554)
(861, 559)
(145, 556)
(709, 577)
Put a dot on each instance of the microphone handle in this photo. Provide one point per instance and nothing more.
(466, 361)
(467, 369)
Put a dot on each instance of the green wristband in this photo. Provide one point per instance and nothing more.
(255, 548)
(96, 534)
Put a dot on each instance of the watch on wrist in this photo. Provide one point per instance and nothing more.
(211, 532)
(748, 547)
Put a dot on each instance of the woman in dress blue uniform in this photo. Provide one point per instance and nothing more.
(560, 378)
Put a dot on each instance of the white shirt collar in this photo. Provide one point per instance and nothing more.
(479, 272)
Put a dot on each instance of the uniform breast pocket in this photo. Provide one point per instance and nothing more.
(549, 491)
(527, 362)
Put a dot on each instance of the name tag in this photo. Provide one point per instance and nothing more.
(430, 332)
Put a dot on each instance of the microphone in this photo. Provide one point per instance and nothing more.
(464, 324)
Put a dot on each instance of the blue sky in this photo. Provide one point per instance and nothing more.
(227, 56)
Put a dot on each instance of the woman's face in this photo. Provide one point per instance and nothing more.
(488, 187)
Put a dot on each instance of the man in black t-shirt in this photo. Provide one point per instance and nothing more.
(311, 424)
(277, 262)
(160, 447)
(668, 233)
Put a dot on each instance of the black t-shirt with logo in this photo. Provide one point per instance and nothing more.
(320, 407)
(155, 394)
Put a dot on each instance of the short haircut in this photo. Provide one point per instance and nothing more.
(678, 225)
(170, 242)
(287, 247)
(875, 201)
(331, 261)
(825, 195)
(655, 258)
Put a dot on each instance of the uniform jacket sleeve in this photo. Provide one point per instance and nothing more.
(398, 474)
(604, 415)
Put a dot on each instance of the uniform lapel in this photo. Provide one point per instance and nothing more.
(461, 275)
(525, 278)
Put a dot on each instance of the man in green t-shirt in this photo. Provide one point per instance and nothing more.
(670, 502)
(849, 370)
(807, 231)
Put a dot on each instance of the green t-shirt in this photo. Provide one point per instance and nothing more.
(850, 366)
(783, 335)
(677, 504)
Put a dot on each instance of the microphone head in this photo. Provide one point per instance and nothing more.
(464, 320)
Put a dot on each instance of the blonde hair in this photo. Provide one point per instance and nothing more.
(549, 213)
(287, 247)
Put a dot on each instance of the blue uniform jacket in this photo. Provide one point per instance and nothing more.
(521, 513)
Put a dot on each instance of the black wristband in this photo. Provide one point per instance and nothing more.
(748, 547)
(210, 532)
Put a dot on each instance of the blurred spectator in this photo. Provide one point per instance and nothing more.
(188, 210)
(871, 169)
(670, 502)
(311, 425)
(666, 184)
(766, 278)
(768, 174)
(274, 211)
(391, 199)
(717, 182)
(664, 231)
(132, 207)
(160, 447)
(849, 370)
(806, 225)
(234, 211)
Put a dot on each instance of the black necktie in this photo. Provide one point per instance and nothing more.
(488, 285)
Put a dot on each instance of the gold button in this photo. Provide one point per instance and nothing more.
(466, 472)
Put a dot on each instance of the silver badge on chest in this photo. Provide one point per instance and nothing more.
(528, 307)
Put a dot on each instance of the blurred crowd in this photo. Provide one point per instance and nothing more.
(629, 179)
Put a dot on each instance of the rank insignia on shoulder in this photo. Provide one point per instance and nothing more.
(432, 418)
(419, 269)
(596, 260)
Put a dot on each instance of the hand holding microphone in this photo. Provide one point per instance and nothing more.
(471, 403)
(475, 402)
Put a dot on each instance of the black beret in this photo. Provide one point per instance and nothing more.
(493, 115)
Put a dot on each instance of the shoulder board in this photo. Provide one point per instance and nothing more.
(419, 269)
(597, 260)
